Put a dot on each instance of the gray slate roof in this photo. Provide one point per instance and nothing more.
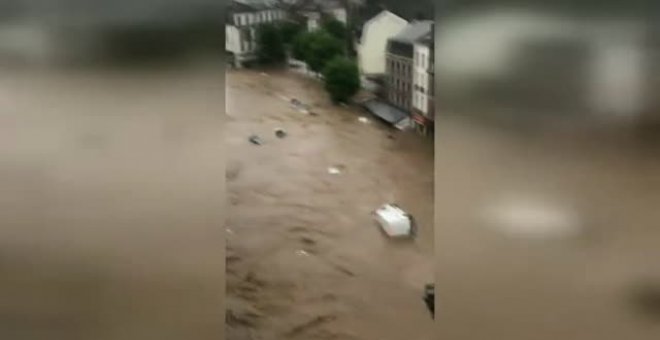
(385, 111)
(414, 31)
(426, 39)
(252, 5)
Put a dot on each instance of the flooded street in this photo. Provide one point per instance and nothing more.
(305, 259)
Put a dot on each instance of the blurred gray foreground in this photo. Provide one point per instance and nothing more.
(111, 171)
(547, 174)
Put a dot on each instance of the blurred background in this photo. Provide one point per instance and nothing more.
(111, 169)
(547, 170)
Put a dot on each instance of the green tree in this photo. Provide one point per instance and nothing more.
(342, 79)
(336, 28)
(321, 47)
(290, 30)
(270, 46)
(301, 45)
(316, 49)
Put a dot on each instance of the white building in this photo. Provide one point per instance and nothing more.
(244, 16)
(423, 90)
(315, 10)
(373, 43)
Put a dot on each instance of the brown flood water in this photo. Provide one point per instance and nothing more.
(305, 258)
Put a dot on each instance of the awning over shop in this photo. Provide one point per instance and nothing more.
(385, 111)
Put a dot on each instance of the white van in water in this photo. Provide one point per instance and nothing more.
(394, 221)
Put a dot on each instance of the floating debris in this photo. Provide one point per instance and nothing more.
(363, 120)
(254, 139)
(298, 105)
(301, 252)
(394, 221)
(334, 170)
(264, 74)
(429, 298)
(280, 133)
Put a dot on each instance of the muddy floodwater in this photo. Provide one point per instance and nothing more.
(305, 259)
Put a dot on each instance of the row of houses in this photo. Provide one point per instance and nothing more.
(244, 16)
(399, 55)
(391, 51)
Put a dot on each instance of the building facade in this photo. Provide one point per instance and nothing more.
(400, 63)
(372, 46)
(244, 17)
(423, 108)
(314, 12)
